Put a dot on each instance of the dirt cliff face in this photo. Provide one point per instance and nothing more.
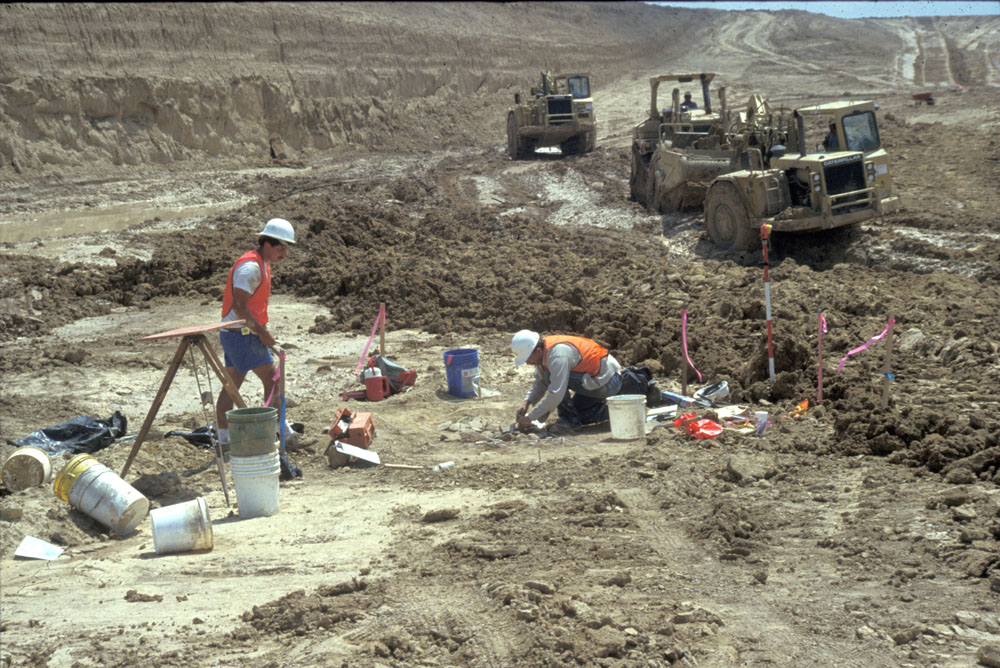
(130, 86)
(138, 85)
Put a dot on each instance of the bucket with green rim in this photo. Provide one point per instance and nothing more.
(253, 432)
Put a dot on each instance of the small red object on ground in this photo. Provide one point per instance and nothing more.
(356, 429)
(679, 422)
(703, 428)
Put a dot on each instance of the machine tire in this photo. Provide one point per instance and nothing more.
(727, 220)
(636, 178)
(515, 143)
(573, 145)
(591, 141)
(651, 191)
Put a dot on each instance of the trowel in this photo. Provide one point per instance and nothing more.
(344, 453)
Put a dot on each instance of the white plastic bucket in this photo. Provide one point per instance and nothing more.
(627, 413)
(181, 527)
(26, 467)
(101, 493)
(256, 482)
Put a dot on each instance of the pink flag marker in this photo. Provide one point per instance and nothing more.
(379, 318)
(867, 343)
(684, 340)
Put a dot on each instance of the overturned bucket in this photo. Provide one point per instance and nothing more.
(182, 527)
(93, 488)
(252, 431)
(627, 413)
(256, 482)
(27, 467)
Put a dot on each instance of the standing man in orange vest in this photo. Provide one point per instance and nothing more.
(248, 289)
(564, 363)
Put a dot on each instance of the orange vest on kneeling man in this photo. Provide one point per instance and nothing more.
(591, 352)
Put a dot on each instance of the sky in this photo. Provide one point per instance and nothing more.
(860, 9)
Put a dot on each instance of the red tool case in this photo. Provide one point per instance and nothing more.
(353, 428)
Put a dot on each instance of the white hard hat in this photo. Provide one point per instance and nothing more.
(280, 229)
(523, 344)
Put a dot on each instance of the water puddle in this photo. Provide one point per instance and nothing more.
(57, 224)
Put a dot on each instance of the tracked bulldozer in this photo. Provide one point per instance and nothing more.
(754, 166)
(559, 112)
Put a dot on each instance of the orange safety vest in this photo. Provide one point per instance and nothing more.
(257, 304)
(591, 352)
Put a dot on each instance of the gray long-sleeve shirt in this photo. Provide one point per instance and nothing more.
(552, 378)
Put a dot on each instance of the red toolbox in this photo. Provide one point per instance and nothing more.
(356, 429)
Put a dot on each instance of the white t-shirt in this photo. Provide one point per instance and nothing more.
(246, 277)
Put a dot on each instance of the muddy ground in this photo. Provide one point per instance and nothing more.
(851, 536)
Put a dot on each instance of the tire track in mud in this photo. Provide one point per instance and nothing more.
(983, 53)
(432, 615)
(751, 32)
(765, 621)
(945, 52)
(932, 57)
(905, 62)
(669, 539)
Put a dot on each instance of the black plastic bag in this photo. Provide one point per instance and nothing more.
(636, 380)
(399, 376)
(81, 434)
(202, 436)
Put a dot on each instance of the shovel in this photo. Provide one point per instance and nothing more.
(281, 394)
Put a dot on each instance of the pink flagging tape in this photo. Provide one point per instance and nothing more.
(867, 343)
(277, 375)
(684, 338)
(378, 319)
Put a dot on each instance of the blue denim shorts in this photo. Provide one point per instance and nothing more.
(244, 352)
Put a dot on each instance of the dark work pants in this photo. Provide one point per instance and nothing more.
(581, 406)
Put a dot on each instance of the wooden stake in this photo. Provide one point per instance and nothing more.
(765, 230)
(887, 365)
(684, 361)
(381, 336)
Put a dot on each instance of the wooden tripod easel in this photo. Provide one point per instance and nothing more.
(190, 336)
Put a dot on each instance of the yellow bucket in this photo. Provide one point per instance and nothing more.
(94, 489)
(73, 470)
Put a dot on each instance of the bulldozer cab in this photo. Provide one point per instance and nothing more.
(839, 127)
(678, 123)
(667, 113)
(842, 126)
(576, 85)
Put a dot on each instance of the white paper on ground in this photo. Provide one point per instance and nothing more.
(35, 548)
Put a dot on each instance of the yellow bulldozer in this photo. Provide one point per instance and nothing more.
(755, 165)
(559, 112)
